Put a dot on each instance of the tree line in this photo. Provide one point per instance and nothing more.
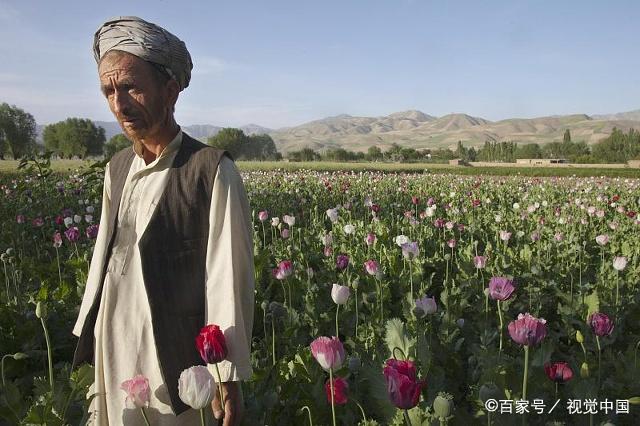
(17, 132)
(619, 147)
(77, 137)
(82, 138)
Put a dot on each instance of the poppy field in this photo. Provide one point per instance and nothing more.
(381, 298)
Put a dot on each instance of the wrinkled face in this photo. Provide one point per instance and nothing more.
(140, 101)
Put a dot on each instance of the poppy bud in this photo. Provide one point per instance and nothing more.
(443, 405)
(584, 370)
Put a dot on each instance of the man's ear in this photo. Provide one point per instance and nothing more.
(173, 90)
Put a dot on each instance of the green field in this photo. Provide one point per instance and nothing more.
(71, 165)
(56, 165)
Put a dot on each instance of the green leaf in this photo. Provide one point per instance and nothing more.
(376, 393)
(397, 337)
(83, 377)
(593, 303)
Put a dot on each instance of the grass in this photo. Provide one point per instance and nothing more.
(67, 166)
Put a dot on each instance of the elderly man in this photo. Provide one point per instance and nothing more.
(174, 250)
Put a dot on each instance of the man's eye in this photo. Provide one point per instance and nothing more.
(129, 88)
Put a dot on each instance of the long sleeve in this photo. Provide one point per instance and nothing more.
(230, 270)
(97, 259)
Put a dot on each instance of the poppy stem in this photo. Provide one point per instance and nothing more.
(144, 416)
(406, 418)
(308, 413)
(49, 352)
(617, 292)
(501, 327)
(58, 261)
(202, 416)
(337, 312)
(356, 291)
(599, 354)
(364, 416)
(333, 406)
(393, 353)
(411, 279)
(526, 372)
(273, 339)
(220, 389)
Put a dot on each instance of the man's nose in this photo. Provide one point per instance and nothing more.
(120, 102)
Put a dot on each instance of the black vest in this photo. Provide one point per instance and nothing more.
(173, 252)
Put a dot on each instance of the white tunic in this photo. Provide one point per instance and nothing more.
(124, 345)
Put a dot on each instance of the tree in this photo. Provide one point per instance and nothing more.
(340, 154)
(530, 150)
(442, 155)
(567, 136)
(261, 147)
(306, 154)
(461, 151)
(472, 154)
(394, 153)
(17, 131)
(374, 154)
(503, 152)
(409, 154)
(115, 144)
(74, 136)
(566, 150)
(230, 139)
(618, 147)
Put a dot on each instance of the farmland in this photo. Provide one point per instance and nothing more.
(484, 287)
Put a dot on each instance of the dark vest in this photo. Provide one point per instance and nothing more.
(173, 253)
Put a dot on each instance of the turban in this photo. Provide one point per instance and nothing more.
(148, 42)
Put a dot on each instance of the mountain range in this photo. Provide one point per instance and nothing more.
(416, 129)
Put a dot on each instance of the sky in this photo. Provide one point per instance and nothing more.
(283, 63)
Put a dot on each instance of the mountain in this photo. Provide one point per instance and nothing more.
(418, 130)
(630, 115)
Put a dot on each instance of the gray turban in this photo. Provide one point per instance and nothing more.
(148, 42)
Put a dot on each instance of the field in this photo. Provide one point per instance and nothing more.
(447, 292)
(615, 170)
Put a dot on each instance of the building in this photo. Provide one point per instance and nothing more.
(541, 161)
(457, 162)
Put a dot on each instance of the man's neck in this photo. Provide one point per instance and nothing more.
(153, 146)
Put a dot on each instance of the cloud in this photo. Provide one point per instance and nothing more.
(206, 65)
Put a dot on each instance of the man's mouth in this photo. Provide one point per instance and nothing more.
(130, 121)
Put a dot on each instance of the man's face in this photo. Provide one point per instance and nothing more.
(141, 103)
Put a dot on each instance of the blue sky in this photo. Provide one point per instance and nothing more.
(282, 63)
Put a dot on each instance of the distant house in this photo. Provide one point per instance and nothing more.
(634, 163)
(541, 161)
(457, 162)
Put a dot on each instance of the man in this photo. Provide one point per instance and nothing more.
(174, 249)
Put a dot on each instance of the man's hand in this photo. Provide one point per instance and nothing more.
(233, 404)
